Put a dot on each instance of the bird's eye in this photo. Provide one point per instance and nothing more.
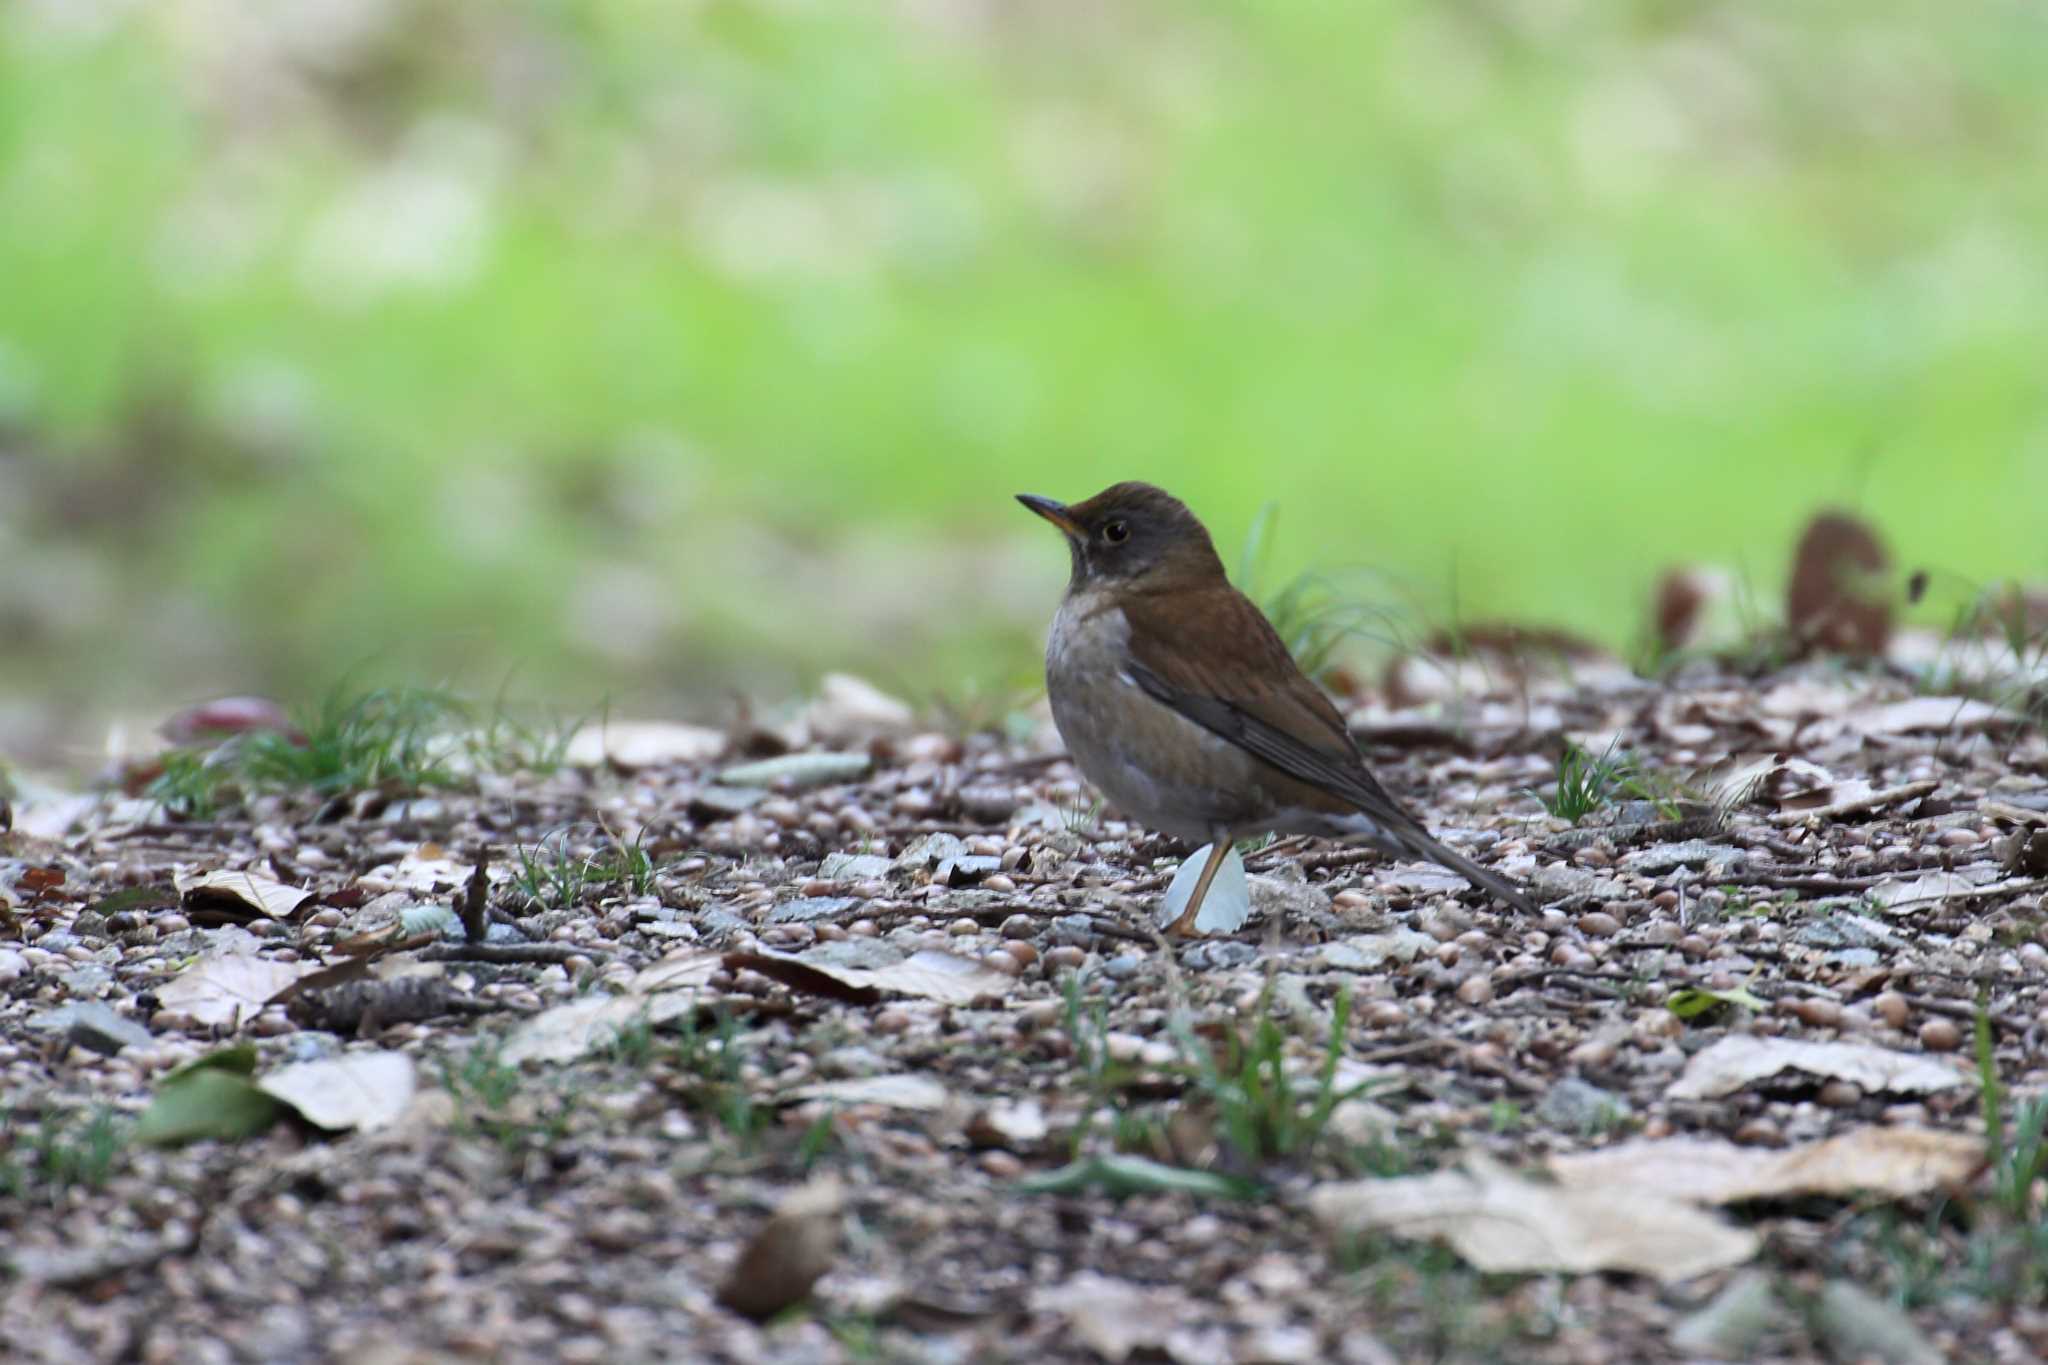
(1117, 532)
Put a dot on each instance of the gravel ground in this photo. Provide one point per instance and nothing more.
(1843, 858)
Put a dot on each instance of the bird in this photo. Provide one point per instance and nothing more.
(1179, 700)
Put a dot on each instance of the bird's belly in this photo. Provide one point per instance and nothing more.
(1155, 765)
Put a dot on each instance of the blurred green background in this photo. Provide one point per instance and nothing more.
(651, 349)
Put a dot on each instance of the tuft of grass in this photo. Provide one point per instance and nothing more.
(709, 1073)
(1587, 783)
(1316, 614)
(1262, 1114)
(60, 1152)
(553, 876)
(401, 739)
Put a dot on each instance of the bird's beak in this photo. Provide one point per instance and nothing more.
(1054, 512)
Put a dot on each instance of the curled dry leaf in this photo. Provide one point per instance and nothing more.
(239, 895)
(1743, 1059)
(791, 1253)
(1890, 1161)
(1502, 1223)
(360, 1090)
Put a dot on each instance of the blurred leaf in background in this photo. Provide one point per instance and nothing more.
(655, 347)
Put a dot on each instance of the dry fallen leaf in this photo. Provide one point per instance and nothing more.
(1840, 595)
(901, 1091)
(1502, 1223)
(930, 974)
(1888, 1161)
(1113, 1317)
(244, 895)
(791, 1252)
(358, 1090)
(566, 1032)
(635, 744)
(1741, 1059)
(231, 987)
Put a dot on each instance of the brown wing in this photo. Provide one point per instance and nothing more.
(1236, 679)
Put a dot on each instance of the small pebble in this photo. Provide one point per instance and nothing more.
(1599, 924)
(1759, 1132)
(1840, 1094)
(1959, 838)
(862, 928)
(1940, 1035)
(1019, 926)
(1665, 900)
(963, 928)
(890, 1021)
(1023, 952)
(1476, 990)
(1001, 1164)
(1064, 958)
(1816, 1013)
(1385, 1014)
(1692, 945)
(1123, 966)
(1000, 883)
(1002, 962)
(1891, 1007)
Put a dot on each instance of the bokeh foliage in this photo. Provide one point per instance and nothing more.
(655, 345)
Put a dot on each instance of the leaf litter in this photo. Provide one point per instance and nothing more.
(1034, 1115)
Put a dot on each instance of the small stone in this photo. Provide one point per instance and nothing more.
(1019, 926)
(1599, 924)
(890, 1021)
(1891, 1007)
(1576, 1106)
(93, 1026)
(1218, 955)
(1065, 957)
(796, 771)
(1940, 1035)
(1001, 1164)
(1001, 883)
(963, 928)
(1759, 1132)
(1813, 1012)
(1840, 1094)
(1385, 1014)
(1476, 990)
(1023, 952)
(1123, 966)
(1003, 962)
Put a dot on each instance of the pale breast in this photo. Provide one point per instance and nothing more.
(1157, 766)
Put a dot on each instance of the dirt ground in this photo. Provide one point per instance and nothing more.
(920, 1009)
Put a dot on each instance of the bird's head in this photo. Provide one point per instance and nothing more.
(1132, 535)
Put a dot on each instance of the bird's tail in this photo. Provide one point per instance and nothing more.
(1422, 845)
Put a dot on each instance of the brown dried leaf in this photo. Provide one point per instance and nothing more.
(1502, 1223)
(1840, 596)
(791, 1253)
(930, 974)
(1742, 1059)
(1890, 1161)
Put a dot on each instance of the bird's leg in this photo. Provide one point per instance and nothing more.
(1219, 849)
